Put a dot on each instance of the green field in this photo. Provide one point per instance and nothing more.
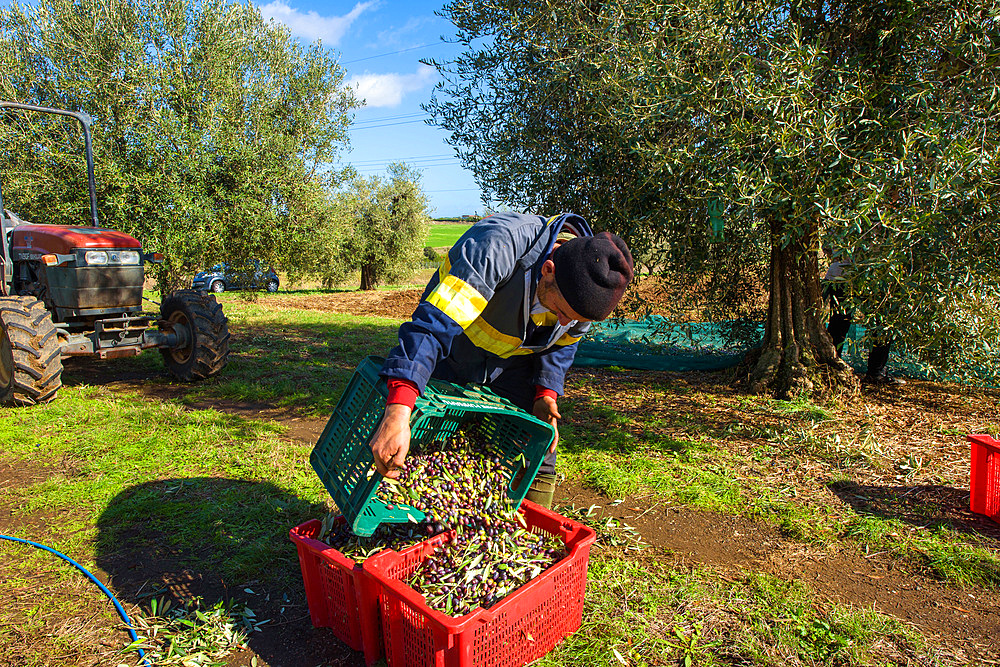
(444, 234)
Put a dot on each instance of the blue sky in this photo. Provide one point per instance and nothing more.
(379, 44)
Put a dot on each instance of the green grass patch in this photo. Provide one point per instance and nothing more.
(801, 406)
(622, 454)
(444, 235)
(300, 358)
(645, 611)
(119, 474)
(940, 549)
(293, 358)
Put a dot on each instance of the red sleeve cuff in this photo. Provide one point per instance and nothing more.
(402, 391)
(542, 392)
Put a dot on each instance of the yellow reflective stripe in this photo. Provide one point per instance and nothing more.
(552, 219)
(566, 339)
(445, 267)
(487, 338)
(545, 319)
(458, 300)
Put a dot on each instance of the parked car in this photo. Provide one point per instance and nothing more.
(222, 277)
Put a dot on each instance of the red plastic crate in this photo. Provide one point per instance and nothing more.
(340, 595)
(521, 628)
(984, 477)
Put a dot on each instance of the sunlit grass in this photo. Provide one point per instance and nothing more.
(622, 453)
(95, 450)
(445, 234)
(292, 358)
(646, 611)
(942, 550)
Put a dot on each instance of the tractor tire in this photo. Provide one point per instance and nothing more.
(217, 286)
(30, 352)
(272, 285)
(207, 349)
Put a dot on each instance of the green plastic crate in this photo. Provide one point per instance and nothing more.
(343, 458)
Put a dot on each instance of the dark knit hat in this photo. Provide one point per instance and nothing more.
(592, 273)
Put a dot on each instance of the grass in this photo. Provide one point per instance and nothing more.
(628, 450)
(289, 358)
(164, 496)
(444, 235)
(295, 358)
(119, 480)
(48, 607)
(646, 609)
(197, 479)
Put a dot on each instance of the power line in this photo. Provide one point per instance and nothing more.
(379, 170)
(391, 53)
(381, 163)
(402, 159)
(405, 115)
(372, 127)
(421, 167)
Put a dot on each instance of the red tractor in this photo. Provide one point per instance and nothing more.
(77, 291)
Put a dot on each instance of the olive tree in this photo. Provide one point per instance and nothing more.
(778, 127)
(214, 130)
(384, 224)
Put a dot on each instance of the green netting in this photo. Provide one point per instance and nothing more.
(659, 344)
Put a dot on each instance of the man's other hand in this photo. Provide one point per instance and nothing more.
(545, 408)
(391, 441)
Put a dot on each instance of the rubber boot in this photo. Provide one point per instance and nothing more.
(542, 489)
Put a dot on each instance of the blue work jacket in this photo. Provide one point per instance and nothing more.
(475, 313)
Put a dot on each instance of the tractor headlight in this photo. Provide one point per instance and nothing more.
(96, 257)
(113, 257)
(124, 257)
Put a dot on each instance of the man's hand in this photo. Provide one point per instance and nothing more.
(391, 441)
(545, 408)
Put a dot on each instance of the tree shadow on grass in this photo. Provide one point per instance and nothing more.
(594, 422)
(926, 506)
(219, 539)
(301, 365)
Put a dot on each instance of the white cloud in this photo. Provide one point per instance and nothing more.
(310, 25)
(387, 90)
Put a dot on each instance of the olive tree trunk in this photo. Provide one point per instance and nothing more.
(369, 279)
(797, 355)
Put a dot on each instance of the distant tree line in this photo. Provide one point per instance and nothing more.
(460, 218)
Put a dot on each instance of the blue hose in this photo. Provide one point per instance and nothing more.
(104, 589)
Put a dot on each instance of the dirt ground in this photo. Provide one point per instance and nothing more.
(965, 617)
(374, 303)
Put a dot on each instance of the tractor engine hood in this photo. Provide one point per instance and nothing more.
(62, 240)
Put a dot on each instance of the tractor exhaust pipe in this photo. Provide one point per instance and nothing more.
(85, 121)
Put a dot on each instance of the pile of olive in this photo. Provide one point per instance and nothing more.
(461, 488)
